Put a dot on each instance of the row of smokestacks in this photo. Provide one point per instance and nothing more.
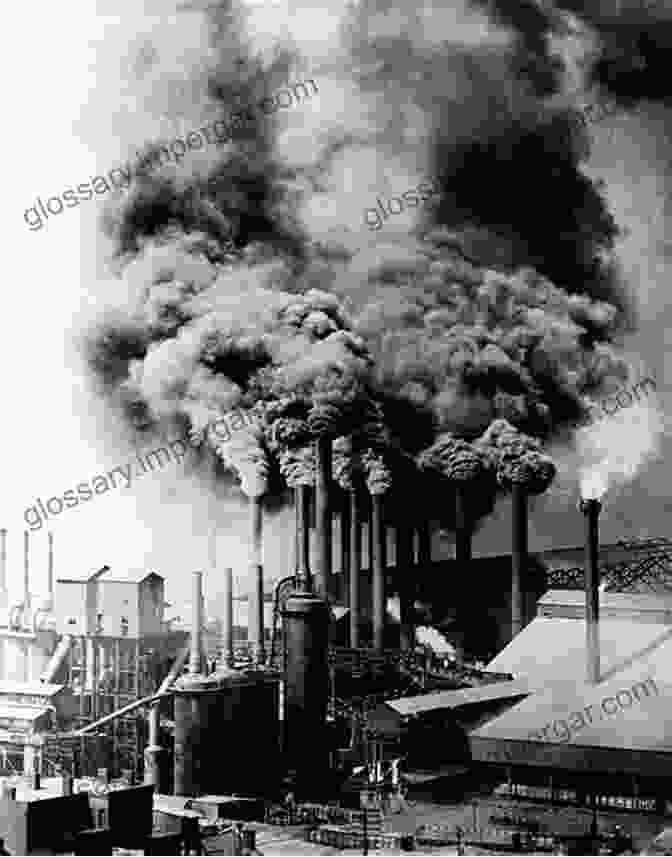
(319, 503)
(26, 599)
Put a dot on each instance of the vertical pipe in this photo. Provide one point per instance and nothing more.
(591, 510)
(323, 456)
(50, 566)
(355, 565)
(256, 593)
(462, 526)
(404, 575)
(227, 620)
(378, 535)
(518, 556)
(302, 512)
(82, 678)
(3, 564)
(153, 750)
(26, 571)
(196, 622)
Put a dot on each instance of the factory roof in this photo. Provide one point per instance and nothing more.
(552, 650)
(29, 688)
(635, 666)
(581, 733)
(29, 713)
(457, 698)
(82, 577)
(130, 575)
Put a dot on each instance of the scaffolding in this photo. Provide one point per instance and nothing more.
(107, 674)
(647, 569)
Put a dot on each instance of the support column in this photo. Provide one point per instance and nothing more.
(355, 565)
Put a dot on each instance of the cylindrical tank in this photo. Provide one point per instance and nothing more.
(306, 620)
(226, 733)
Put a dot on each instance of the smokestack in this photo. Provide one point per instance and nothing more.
(355, 565)
(196, 624)
(404, 574)
(378, 536)
(3, 564)
(591, 510)
(256, 593)
(50, 566)
(424, 545)
(323, 493)
(227, 620)
(302, 511)
(518, 556)
(26, 569)
(344, 536)
(462, 526)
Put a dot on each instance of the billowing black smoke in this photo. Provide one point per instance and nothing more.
(254, 278)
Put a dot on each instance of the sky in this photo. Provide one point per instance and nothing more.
(69, 111)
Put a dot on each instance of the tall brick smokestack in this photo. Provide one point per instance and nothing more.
(404, 572)
(256, 578)
(463, 525)
(26, 569)
(518, 556)
(3, 565)
(302, 498)
(591, 510)
(378, 537)
(323, 510)
(355, 564)
(195, 664)
(227, 620)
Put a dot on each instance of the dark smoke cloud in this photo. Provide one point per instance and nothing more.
(254, 283)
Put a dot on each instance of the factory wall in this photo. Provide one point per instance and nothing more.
(71, 607)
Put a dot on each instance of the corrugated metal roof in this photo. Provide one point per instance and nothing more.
(456, 698)
(551, 652)
(552, 649)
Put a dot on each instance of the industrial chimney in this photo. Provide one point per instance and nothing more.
(591, 509)
(3, 567)
(255, 616)
(227, 621)
(196, 625)
(26, 573)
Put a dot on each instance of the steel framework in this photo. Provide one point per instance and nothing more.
(648, 570)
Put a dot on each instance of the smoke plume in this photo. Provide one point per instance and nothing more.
(256, 284)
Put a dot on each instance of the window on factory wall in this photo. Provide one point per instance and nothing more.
(124, 626)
